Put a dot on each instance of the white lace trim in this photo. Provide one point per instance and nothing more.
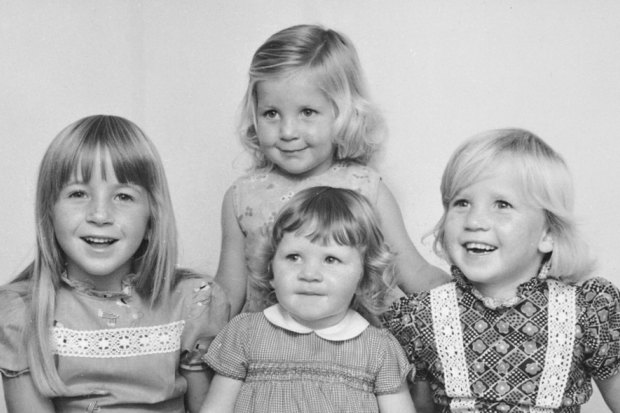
(118, 342)
(562, 320)
(449, 342)
(560, 342)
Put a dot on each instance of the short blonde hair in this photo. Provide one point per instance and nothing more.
(331, 60)
(546, 182)
(326, 214)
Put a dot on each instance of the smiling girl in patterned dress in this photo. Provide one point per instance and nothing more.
(522, 328)
(102, 320)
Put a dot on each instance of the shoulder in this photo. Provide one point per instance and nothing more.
(14, 300)
(598, 292)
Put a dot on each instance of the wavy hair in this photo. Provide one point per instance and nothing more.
(546, 183)
(135, 160)
(330, 59)
(323, 215)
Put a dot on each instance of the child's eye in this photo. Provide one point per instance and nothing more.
(503, 204)
(270, 114)
(460, 203)
(293, 257)
(332, 260)
(124, 197)
(76, 194)
(307, 112)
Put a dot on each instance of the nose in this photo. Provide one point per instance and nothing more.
(99, 211)
(477, 219)
(310, 272)
(288, 128)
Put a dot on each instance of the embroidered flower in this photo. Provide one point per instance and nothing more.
(532, 368)
(478, 346)
(528, 309)
(502, 347)
(529, 347)
(529, 329)
(480, 326)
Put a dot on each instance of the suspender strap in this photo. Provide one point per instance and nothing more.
(449, 342)
(562, 321)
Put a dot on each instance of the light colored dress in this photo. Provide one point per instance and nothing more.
(259, 196)
(112, 342)
(537, 355)
(286, 367)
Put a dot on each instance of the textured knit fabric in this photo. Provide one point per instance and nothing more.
(115, 343)
(258, 197)
(505, 348)
(285, 371)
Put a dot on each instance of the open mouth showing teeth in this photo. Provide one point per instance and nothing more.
(99, 241)
(477, 248)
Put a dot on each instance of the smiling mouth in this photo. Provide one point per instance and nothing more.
(99, 241)
(291, 150)
(479, 248)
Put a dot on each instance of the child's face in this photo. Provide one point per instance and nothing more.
(100, 225)
(295, 125)
(493, 235)
(315, 283)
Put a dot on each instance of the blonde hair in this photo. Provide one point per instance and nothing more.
(325, 214)
(545, 181)
(134, 159)
(331, 60)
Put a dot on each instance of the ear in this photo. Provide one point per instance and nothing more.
(545, 245)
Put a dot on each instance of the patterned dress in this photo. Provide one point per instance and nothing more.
(258, 197)
(539, 355)
(115, 345)
(286, 367)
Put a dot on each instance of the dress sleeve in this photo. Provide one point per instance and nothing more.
(601, 327)
(401, 319)
(395, 367)
(227, 355)
(207, 312)
(13, 358)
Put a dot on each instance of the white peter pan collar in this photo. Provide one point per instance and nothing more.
(351, 326)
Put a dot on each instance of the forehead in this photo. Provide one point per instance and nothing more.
(294, 88)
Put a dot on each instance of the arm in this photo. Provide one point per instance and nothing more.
(222, 395)
(232, 273)
(399, 402)
(197, 387)
(610, 390)
(21, 395)
(414, 273)
(422, 397)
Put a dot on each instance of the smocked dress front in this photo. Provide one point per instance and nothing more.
(115, 352)
(287, 367)
(538, 355)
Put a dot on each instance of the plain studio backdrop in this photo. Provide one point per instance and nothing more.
(439, 70)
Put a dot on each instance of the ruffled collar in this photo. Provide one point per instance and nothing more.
(351, 326)
(523, 290)
(127, 284)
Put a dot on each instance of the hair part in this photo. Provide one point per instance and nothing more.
(330, 59)
(546, 183)
(323, 215)
(74, 152)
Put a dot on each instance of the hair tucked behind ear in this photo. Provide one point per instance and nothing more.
(134, 159)
(330, 59)
(546, 183)
(343, 216)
